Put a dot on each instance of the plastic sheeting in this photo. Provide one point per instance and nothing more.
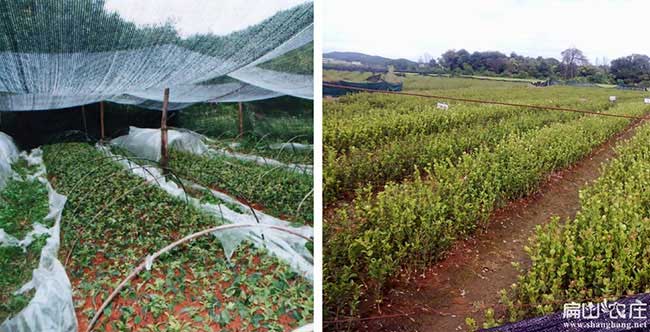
(291, 146)
(145, 143)
(306, 328)
(262, 161)
(58, 54)
(51, 308)
(8, 154)
(287, 247)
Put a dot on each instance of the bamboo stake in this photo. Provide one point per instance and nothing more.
(241, 120)
(164, 152)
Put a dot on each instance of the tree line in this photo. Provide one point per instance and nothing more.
(632, 70)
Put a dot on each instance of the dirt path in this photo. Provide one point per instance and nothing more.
(470, 277)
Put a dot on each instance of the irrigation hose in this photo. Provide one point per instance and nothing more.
(166, 249)
(478, 101)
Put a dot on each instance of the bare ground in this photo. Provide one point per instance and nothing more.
(468, 280)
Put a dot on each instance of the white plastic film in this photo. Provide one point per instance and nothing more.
(287, 247)
(306, 328)
(145, 143)
(51, 308)
(291, 146)
(8, 154)
(300, 168)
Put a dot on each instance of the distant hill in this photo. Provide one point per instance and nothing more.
(335, 60)
(368, 60)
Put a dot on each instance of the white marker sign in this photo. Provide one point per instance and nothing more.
(612, 98)
(646, 100)
(442, 106)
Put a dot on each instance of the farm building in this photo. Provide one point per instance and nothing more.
(156, 165)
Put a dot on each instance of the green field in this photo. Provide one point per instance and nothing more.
(403, 180)
(602, 253)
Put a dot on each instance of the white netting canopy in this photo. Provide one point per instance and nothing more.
(58, 54)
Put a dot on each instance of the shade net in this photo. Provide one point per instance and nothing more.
(59, 54)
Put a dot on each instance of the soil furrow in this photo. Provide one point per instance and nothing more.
(470, 277)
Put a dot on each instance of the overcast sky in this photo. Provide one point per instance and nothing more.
(409, 28)
(200, 16)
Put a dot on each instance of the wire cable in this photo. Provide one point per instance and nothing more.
(478, 101)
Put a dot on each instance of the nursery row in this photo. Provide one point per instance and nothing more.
(22, 203)
(414, 222)
(604, 252)
(391, 120)
(363, 120)
(275, 190)
(396, 160)
(288, 153)
(16, 266)
(114, 219)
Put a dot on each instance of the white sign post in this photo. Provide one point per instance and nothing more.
(612, 99)
(646, 100)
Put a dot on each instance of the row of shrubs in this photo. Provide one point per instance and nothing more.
(603, 253)
(396, 160)
(413, 223)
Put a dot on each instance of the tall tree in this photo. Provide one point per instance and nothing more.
(632, 69)
(572, 58)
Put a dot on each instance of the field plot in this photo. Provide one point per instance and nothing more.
(194, 287)
(600, 255)
(119, 208)
(24, 201)
(156, 176)
(404, 180)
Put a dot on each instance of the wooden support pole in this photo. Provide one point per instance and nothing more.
(101, 121)
(164, 153)
(241, 120)
(83, 116)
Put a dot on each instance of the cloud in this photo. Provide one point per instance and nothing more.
(200, 16)
(409, 28)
